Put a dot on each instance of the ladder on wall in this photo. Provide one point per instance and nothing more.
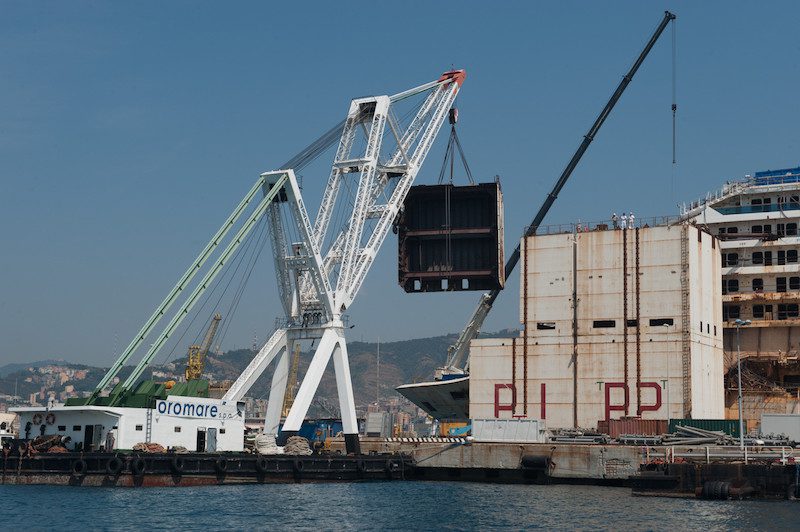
(686, 359)
(148, 426)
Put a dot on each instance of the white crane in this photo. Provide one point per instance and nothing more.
(320, 275)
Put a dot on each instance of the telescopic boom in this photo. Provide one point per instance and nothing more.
(460, 349)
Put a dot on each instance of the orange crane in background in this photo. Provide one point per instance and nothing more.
(197, 353)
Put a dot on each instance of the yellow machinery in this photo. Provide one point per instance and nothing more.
(197, 353)
(291, 381)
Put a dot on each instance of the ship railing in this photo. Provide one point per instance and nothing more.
(605, 225)
(731, 188)
(707, 454)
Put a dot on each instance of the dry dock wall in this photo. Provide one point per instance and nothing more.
(647, 343)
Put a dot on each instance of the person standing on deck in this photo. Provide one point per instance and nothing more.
(630, 220)
(615, 221)
(624, 221)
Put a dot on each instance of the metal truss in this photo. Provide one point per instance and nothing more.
(307, 274)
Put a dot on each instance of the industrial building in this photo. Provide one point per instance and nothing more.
(756, 221)
(615, 323)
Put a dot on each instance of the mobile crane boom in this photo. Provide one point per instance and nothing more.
(458, 360)
(197, 353)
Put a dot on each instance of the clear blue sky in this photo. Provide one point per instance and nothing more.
(128, 130)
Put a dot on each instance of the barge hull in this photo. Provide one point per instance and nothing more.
(169, 469)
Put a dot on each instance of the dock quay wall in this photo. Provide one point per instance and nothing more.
(586, 463)
(688, 471)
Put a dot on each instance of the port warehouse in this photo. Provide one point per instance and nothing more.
(619, 351)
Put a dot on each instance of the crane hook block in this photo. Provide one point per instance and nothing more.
(453, 116)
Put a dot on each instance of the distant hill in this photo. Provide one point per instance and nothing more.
(402, 362)
(11, 368)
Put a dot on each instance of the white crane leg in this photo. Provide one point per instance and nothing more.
(347, 404)
(277, 393)
(310, 383)
(257, 366)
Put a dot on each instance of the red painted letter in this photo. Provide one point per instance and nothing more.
(497, 406)
(657, 405)
(544, 401)
(619, 408)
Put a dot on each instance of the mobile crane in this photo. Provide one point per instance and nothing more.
(197, 353)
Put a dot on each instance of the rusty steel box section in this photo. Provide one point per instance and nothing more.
(451, 238)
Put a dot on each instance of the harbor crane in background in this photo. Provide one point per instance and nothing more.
(457, 366)
(196, 361)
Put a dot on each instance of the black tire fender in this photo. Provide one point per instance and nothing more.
(177, 464)
(138, 466)
(298, 464)
(114, 465)
(79, 467)
(221, 464)
(262, 464)
(724, 490)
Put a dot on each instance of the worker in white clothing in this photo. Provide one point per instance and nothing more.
(623, 223)
(630, 220)
(615, 221)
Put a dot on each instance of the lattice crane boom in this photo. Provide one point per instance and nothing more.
(197, 353)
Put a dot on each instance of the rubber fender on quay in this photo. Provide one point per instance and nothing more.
(716, 490)
(724, 491)
(536, 462)
(79, 467)
(138, 466)
(114, 465)
(361, 464)
(221, 464)
(177, 464)
(298, 465)
(708, 489)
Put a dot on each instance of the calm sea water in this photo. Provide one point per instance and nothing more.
(378, 506)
